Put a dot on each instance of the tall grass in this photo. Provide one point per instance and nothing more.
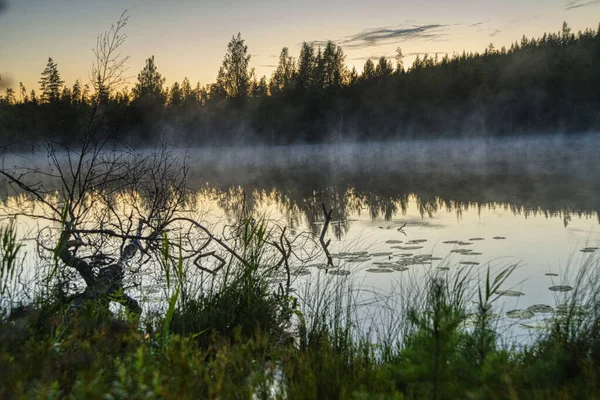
(241, 334)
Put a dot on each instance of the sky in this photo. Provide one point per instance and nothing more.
(189, 38)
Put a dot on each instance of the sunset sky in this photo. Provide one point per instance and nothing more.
(189, 38)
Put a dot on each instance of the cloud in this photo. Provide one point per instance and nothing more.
(321, 43)
(269, 65)
(495, 32)
(2, 6)
(379, 36)
(573, 4)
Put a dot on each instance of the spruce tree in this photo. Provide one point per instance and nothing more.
(50, 83)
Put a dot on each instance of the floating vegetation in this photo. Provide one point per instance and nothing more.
(393, 241)
(326, 266)
(499, 237)
(385, 253)
(471, 320)
(464, 243)
(451, 242)
(521, 314)
(435, 258)
(405, 254)
(541, 308)
(461, 251)
(561, 288)
(339, 272)
(572, 309)
(473, 253)
(399, 268)
(319, 266)
(550, 274)
(510, 293)
(384, 263)
(358, 259)
(588, 249)
(538, 325)
(407, 247)
(417, 241)
(469, 263)
(358, 253)
(476, 238)
(443, 268)
(380, 270)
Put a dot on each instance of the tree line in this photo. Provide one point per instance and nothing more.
(537, 85)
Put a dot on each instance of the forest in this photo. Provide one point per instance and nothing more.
(539, 85)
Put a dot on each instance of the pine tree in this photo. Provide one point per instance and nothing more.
(384, 67)
(50, 83)
(150, 83)
(76, 92)
(399, 61)
(175, 95)
(234, 79)
(261, 88)
(368, 70)
(306, 66)
(285, 72)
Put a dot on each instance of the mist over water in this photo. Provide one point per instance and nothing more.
(541, 195)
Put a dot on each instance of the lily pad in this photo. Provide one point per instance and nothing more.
(326, 266)
(588, 250)
(407, 247)
(499, 237)
(538, 325)
(380, 270)
(550, 274)
(382, 254)
(443, 268)
(462, 251)
(417, 241)
(469, 263)
(476, 238)
(521, 314)
(394, 241)
(358, 259)
(450, 241)
(405, 254)
(339, 272)
(435, 258)
(509, 293)
(384, 263)
(561, 288)
(541, 308)
(319, 266)
(464, 244)
(399, 268)
(473, 253)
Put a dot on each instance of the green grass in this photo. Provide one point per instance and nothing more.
(243, 337)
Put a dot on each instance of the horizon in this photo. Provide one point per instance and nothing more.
(190, 39)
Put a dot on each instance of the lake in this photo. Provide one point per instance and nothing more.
(533, 201)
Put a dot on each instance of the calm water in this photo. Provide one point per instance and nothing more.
(541, 195)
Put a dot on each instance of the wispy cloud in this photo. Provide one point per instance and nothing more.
(268, 65)
(573, 4)
(321, 43)
(379, 36)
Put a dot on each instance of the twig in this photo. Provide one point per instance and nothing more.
(322, 238)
